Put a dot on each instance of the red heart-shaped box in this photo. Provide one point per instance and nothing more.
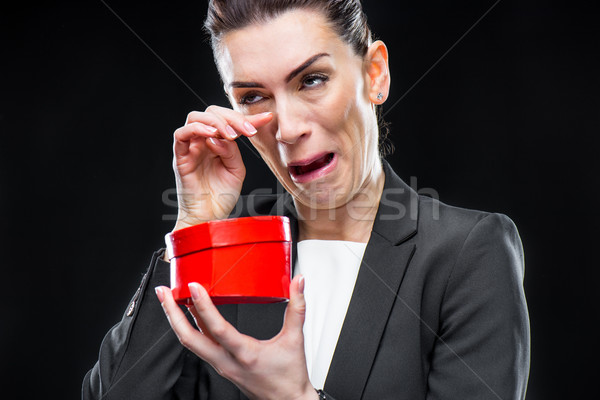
(238, 260)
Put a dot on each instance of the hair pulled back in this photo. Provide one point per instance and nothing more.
(345, 16)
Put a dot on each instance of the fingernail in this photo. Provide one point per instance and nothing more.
(214, 141)
(211, 128)
(194, 290)
(265, 113)
(249, 128)
(301, 284)
(159, 293)
(230, 132)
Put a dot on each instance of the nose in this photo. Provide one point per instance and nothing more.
(292, 122)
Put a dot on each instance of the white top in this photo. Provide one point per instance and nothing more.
(330, 268)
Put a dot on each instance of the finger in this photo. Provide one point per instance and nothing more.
(183, 135)
(221, 330)
(199, 323)
(260, 120)
(207, 118)
(229, 153)
(189, 337)
(241, 124)
(193, 130)
(296, 308)
(215, 119)
(234, 123)
(230, 123)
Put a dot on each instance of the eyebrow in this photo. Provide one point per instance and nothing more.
(288, 78)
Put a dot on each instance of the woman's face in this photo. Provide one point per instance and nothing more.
(322, 141)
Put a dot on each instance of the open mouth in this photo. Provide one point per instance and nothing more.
(304, 172)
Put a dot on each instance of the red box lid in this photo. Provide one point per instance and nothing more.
(228, 232)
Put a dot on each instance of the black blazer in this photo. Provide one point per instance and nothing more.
(438, 312)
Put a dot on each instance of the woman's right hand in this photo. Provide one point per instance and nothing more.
(208, 166)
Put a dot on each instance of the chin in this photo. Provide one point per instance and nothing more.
(321, 196)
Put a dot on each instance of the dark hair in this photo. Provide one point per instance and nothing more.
(346, 17)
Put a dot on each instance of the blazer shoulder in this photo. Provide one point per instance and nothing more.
(477, 242)
(436, 216)
(451, 231)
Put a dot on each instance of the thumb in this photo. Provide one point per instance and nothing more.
(296, 308)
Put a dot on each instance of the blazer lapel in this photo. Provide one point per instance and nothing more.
(383, 266)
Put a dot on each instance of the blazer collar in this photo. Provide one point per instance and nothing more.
(398, 213)
(382, 270)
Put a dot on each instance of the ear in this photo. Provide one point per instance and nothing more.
(379, 72)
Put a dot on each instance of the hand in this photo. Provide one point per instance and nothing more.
(208, 166)
(269, 369)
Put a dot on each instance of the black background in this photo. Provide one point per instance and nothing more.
(506, 121)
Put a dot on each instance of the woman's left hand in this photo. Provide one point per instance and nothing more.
(262, 369)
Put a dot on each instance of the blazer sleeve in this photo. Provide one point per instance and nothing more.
(140, 357)
(482, 350)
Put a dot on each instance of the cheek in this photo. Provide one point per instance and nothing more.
(266, 145)
(260, 143)
(334, 112)
(343, 119)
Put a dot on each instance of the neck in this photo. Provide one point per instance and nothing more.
(352, 221)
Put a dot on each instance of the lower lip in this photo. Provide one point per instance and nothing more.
(316, 174)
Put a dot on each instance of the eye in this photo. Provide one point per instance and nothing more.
(250, 98)
(314, 80)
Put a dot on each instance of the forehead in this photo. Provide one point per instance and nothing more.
(275, 47)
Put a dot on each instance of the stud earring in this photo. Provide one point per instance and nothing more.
(379, 96)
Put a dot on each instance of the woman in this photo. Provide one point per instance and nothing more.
(394, 296)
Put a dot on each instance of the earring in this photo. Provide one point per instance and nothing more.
(379, 96)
